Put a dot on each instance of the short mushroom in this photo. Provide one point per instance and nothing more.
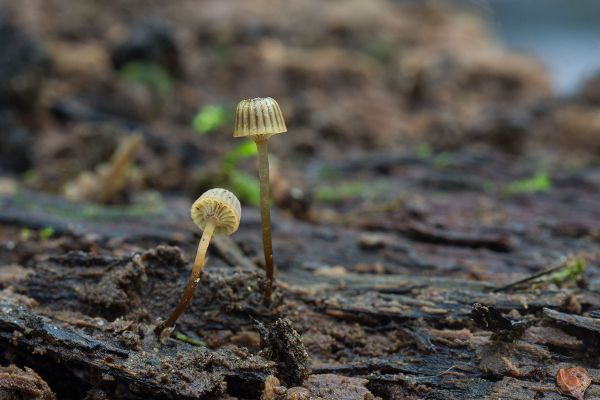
(259, 119)
(217, 212)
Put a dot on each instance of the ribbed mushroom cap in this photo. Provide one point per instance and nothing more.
(258, 117)
(220, 204)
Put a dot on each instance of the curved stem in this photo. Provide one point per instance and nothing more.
(116, 177)
(188, 293)
(265, 214)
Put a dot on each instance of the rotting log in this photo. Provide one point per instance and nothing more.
(406, 334)
(92, 360)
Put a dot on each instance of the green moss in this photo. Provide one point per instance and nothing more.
(490, 187)
(424, 151)
(150, 203)
(244, 186)
(537, 183)
(569, 273)
(229, 176)
(25, 234)
(380, 50)
(46, 233)
(210, 118)
(340, 192)
(150, 75)
(245, 150)
(442, 160)
(186, 339)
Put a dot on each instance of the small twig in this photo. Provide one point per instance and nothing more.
(561, 264)
(436, 375)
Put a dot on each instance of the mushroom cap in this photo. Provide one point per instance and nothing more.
(258, 118)
(220, 204)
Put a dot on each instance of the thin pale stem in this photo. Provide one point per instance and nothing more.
(116, 177)
(188, 293)
(265, 215)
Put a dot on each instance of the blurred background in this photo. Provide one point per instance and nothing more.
(561, 34)
(125, 102)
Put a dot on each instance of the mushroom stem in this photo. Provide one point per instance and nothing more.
(265, 214)
(194, 277)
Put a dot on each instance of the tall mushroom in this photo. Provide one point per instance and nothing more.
(217, 212)
(259, 119)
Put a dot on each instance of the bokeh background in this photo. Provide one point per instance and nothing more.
(356, 80)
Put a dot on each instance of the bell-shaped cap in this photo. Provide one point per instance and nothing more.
(259, 117)
(220, 205)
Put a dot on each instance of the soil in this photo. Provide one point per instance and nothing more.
(426, 168)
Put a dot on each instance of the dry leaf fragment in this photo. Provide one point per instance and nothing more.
(573, 381)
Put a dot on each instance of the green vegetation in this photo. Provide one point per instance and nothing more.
(210, 118)
(340, 192)
(537, 183)
(148, 204)
(46, 233)
(490, 187)
(186, 339)
(380, 50)
(570, 272)
(424, 151)
(25, 234)
(246, 186)
(245, 150)
(442, 160)
(149, 75)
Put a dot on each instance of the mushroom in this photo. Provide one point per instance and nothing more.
(216, 212)
(259, 119)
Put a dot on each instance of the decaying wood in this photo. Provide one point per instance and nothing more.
(18, 383)
(146, 371)
(369, 304)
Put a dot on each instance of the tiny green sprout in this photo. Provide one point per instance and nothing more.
(46, 233)
(570, 272)
(149, 75)
(244, 150)
(424, 151)
(442, 160)
(186, 339)
(381, 51)
(30, 177)
(209, 118)
(489, 187)
(217, 212)
(259, 119)
(246, 186)
(537, 183)
(341, 192)
(25, 234)
(569, 269)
